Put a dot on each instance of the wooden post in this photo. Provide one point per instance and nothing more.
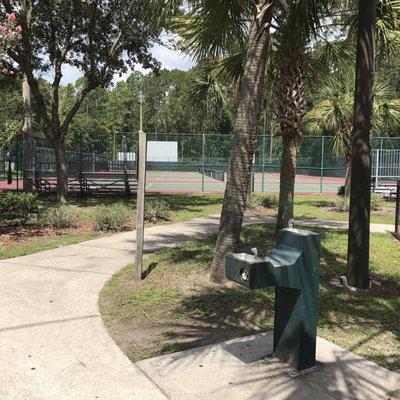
(141, 191)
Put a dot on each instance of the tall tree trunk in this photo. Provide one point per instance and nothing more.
(28, 146)
(287, 180)
(248, 115)
(290, 90)
(61, 168)
(360, 193)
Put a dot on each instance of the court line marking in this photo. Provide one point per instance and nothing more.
(157, 180)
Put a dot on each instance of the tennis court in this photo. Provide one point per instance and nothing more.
(192, 181)
(195, 182)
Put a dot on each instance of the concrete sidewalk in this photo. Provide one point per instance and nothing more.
(331, 224)
(53, 344)
(234, 370)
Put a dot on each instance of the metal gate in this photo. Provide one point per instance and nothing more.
(385, 165)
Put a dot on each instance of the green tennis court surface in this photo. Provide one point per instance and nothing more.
(195, 182)
(192, 181)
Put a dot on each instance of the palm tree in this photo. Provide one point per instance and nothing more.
(360, 193)
(208, 31)
(333, 113)
(292, 67)
(199, 36)
(210, 95)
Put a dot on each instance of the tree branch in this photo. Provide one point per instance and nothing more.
(74, 109)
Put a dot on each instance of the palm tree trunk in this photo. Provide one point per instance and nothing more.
(248, 115)
(290, 90)
(28, 147)
(360, 193)
(287, 180)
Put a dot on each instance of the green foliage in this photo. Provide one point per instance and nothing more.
(377, 201)
(157, 210)
(262, 200)
(60, 218)
(111, 218)
(342, 204)
(18, 208)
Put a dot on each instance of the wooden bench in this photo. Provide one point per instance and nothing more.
(88, 182)
(387, 189)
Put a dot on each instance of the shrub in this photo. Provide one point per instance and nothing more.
(111, 218)
(157, 210)
(60, 218)
(342, 204)
(377, 201)
(263, 201)
(18, 208)
(341, 190)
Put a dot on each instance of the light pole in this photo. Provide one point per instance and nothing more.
(141, 100)
(141, 191)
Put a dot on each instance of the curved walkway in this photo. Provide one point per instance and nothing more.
(53, 344)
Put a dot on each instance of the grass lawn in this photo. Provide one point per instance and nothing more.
(176, 308)
(18, 241)
(320, 206)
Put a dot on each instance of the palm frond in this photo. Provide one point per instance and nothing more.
(208, 29)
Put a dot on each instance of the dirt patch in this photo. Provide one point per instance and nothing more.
(22, 236)
(194, 318)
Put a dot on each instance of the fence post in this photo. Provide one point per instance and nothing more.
(17, 162)
(397, 220)
(263, 165)
(377, 160)
(81, 163)
(322, 165)
(203, 160)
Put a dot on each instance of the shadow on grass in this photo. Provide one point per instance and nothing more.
(216, 314)
(176, 202)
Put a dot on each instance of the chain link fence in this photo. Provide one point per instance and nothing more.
(199, 162)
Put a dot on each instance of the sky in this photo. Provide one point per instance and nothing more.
(170, 59)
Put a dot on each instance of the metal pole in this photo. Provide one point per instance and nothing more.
(377, 161)
(263, 165)
(203, 161)
(141, 192)
(141, 117)
(81, 163)
(17, 162)
(271, 146)
(322, 165)
(397, 221)
(114, 149)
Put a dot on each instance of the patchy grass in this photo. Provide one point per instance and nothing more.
(16, 241)
(176, 308)
(48, 242)
(321, 207)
